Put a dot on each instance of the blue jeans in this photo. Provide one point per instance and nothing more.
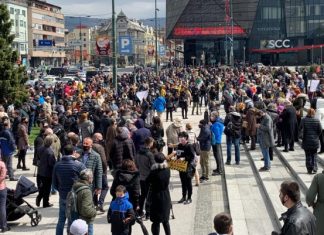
(90, 229)
(8, 162)
(236, 141)
(3, 213)
(62, 218)
(266, 157)
(104, 190)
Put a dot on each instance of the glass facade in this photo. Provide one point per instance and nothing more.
(278, 32)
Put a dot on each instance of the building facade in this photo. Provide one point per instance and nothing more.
(276, 32)
(19, 20)
(79, 39)
(46, 34)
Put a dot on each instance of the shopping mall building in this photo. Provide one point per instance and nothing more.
(276, 32)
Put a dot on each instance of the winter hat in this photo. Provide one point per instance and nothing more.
(78, 227)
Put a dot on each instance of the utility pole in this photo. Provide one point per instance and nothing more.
(232, 37)
(81, 59)
(156, 41)
(114, 47)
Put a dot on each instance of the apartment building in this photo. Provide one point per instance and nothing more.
(19, 20)
(46, 34)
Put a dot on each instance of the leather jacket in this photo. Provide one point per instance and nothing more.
(298, 220)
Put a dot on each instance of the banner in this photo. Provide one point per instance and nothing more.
(142, 95)
(150, 50)
(103, 45)
(162, 50)
(125, 45)
(178, 165)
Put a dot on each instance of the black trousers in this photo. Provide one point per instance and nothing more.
(218, 155)
(169, 111)
(186, 184)
(22, 158)
(156, 228)
(184, 111)
(288, 140)
(322, 141)
(253, 141)
(44, 187)
(311, 159)
(144, 190)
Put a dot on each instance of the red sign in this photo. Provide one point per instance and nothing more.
(208, 31)
(103, 45)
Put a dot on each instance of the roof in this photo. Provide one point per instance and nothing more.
(44, 3)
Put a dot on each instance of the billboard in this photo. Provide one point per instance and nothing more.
(125, 45)
(103, 44)
(162, 50)
(150, 50)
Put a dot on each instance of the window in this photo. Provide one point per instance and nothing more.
(84, 39)
(17, 11)
(17, 23)
(84, 45)
(21, 23)
(12, 22)
(12, 11)
(22, 47)
(312, 10)
(24, 24)
(23, 12)
(322, 10)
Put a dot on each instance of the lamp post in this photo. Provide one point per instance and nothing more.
(114, 46)
(244, 55)
(80, 38)
(321, 54)
(156, 40)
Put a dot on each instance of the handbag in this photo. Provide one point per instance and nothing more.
(245, 124)
(191, 170)
(196, 147)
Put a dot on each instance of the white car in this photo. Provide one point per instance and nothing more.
(82, 75)
(67, 79)
(31, 82)
(49, 81)
(106, 70)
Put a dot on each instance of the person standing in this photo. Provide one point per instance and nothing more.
(217, 129)
(46, 161)
(183, 104)
(186, 152)
(65, 172)
(265, 137)
(297, 219)
(92, 161)
(144, 161)
(22, 144)
(310, 129)
(97, 147)
(195, 99)
(160, 207)
(233, 126)
(85, 207)
(172, 133)
(159, 105)
(3, 198)
(204, 139)
(315, 199)
(8, 147)
(289, 121)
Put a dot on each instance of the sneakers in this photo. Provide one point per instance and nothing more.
(264, 169)
(188, 201)
(100, 209)
(228, 163)
(182, 200)
(216, 173)
(203, 179)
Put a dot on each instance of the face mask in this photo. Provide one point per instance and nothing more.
(86, 148)
(200, 126)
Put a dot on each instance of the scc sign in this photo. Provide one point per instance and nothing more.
(278, 44)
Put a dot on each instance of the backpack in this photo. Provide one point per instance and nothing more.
(229, 129)
(72, 202)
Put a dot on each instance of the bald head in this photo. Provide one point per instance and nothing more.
(48, 131)
(97, 137)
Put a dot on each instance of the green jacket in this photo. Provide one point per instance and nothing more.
(86, 208)
(317, 189)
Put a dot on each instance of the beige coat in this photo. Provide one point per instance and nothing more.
(172, 134)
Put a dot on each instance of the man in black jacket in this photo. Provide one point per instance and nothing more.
(297, 219)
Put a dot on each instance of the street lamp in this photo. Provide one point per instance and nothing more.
(244, 55)
(156, 40)
(114, 46)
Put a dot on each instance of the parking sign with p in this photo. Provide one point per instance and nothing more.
(125, 45)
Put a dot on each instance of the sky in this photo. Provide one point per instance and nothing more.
(139, 9)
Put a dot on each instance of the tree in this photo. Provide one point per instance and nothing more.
(12, 76)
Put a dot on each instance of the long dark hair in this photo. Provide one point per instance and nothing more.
(129, 165)
(157, 122)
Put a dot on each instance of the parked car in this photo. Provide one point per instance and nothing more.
(49, 81)
(60, 72)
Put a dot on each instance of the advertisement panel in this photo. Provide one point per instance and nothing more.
(103, 45)
(150, 50)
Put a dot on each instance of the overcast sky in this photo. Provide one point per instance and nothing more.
(139, 9)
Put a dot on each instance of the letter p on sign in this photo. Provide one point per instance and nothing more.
(125, 43)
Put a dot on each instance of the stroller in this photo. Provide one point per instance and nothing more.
(15, 201)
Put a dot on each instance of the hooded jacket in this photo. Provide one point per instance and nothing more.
(159, 104)
(144, 160)
(122, 148)
(217, 129)
(86, 208)
(204, 138)
(140, 134)
(119, 210)
(131, 180)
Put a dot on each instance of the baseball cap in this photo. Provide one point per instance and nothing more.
(78, 227)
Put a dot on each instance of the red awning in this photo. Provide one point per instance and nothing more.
(207, 31)
(286, 50)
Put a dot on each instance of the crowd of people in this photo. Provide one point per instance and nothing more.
(88, 131)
